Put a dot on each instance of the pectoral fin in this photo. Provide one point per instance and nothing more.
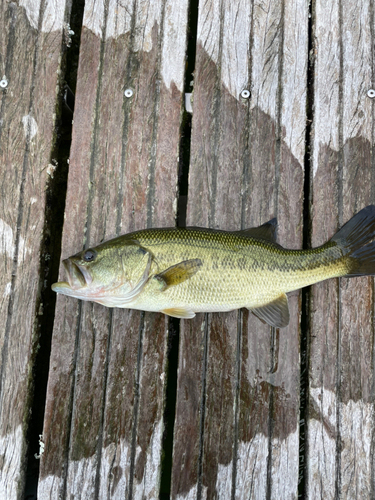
(179, 273)
(179, 312)
(276, 313)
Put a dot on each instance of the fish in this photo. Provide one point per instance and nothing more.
(184, 271)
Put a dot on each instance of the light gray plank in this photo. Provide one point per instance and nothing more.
(31, 51)
(340, 427)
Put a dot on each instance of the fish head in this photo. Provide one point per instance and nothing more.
(112, 274)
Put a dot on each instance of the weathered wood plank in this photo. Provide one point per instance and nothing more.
(31, 51)
(292, 123)
(207, 366)
(239, 397)
(356, 417)
(109, 364)
(270, 372)
(340, 426)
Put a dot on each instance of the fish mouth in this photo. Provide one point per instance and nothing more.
(78, 276)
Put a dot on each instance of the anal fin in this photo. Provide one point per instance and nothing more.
(276, 313)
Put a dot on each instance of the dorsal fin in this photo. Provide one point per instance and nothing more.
(265, 232)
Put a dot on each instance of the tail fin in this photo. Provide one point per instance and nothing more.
(357, 238)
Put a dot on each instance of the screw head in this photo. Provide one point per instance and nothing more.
(3, 83)
(245, 94)
(371, 93)
(128, 93)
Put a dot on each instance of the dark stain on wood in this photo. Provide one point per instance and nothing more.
(189, 391)
(218, 433)
(153, 368)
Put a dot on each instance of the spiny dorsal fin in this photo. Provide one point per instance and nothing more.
(266, 231)
(179, 273)
(276, 313)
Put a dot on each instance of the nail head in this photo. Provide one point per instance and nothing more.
(371, 93)
(3, 83)
(245, 94)
(128, 93)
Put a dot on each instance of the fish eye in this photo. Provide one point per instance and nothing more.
(89, 255)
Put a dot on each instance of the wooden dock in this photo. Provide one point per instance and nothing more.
(134, 405)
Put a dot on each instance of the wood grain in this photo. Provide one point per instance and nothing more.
(30, 62)
(237, 414)
(209, 343)
(105, 399)
(246, 167)
(340, 427)
(270, 365)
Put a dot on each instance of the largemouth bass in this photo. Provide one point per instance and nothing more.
(182, 271)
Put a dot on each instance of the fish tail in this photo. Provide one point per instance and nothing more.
(356, 240)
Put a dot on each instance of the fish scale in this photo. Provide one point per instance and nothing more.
(227, 283)
(183, 271)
